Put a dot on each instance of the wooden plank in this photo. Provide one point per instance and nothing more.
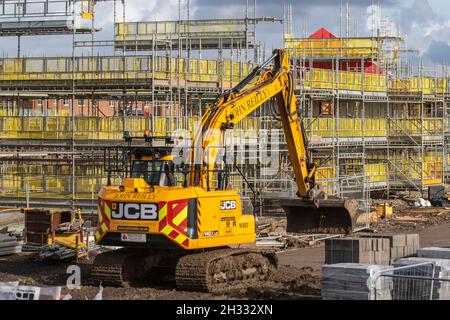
(425, 211)
(410, 219)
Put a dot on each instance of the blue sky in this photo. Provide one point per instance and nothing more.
(425, 23)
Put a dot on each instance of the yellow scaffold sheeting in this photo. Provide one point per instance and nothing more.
(425, 127)
(376, 172)
(325, 176)
(344, 80)
(47, 185)
(415, 168)
(95, 128)
(327, 128)
(356, 81)
(343, 47)
(425, 85)
(165, 30)
(433, 169)
(117, 68)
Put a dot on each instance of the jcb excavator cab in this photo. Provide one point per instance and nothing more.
(144, 157)
(151, 158)
(155, 172)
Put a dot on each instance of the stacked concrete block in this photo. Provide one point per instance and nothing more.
(412, 245)
(401, 245)
(349, 281)
(434, 253)
(357, 250)
(416, 282)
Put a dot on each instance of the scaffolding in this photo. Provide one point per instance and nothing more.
(217, 34)
(374, 124)
(369, 115)
(98, 74)
(55, 102)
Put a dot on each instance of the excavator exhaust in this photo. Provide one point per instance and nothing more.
(323, 216)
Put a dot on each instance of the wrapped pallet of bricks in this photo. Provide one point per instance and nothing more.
(357, 250)
(9, 245)
(401, 245)
(350, 281)
(419, 279)
(435, 253)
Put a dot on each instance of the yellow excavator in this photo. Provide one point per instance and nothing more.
(176, 218)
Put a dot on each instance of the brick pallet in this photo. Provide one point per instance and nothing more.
(401, 245)
(349, 281)
(357, 250)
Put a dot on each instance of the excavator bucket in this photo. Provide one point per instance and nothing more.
(324, 216)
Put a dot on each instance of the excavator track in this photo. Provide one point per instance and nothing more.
(219, 270)
(121, 267)
(209, 271)
(108, 268)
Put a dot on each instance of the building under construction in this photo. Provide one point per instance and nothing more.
(376, 124)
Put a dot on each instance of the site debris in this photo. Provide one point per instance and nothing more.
(9, 245)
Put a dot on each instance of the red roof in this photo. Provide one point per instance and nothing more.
(322, 33)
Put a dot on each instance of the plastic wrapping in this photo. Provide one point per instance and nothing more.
(14, 291)
(350, 281)
(9, 245)
(429, 281)
(434, 253)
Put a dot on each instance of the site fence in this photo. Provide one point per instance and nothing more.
(422, 281)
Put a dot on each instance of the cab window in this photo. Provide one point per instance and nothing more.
(150, 171)
(155, 172)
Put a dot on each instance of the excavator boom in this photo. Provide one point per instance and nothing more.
(313, 211)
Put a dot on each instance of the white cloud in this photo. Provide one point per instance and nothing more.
(143, 10)
(424, 25)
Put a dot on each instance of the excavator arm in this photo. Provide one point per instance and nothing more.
(236, 104)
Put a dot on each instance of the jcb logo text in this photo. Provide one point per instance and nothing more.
(134, 211)
(228, 205)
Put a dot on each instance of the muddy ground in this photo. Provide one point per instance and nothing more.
(288, 283)
(298, 276)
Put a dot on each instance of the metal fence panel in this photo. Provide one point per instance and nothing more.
(419, 281)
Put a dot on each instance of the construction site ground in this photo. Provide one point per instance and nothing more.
(298, 276)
